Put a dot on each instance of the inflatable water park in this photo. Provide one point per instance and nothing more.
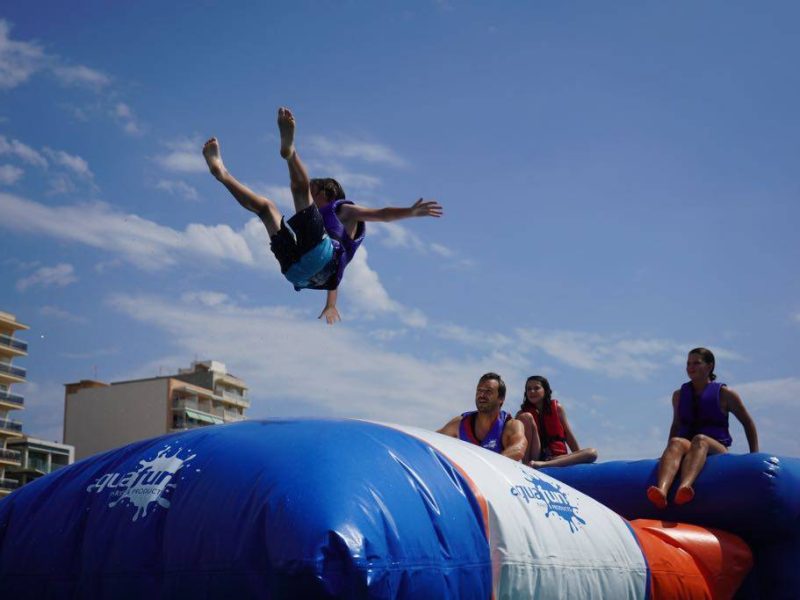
(358, 509)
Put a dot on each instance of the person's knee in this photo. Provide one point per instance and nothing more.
(527, 420)
(678, 444)
(591, 454)
(700, 441)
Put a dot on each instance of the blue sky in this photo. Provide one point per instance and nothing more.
(620, 184)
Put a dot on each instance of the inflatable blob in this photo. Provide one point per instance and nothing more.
(755, 496)
(339, 509)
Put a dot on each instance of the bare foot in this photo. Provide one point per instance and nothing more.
(537, 464)
(684, 495)
(286, 126)
(213, 158)
(657, 497)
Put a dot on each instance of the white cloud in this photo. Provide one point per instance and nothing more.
(776, 412)
(81, 75)
(351, 376)
(151, 246)
(178, 188)
(22, 151)
(280, 195)
(370, 152)
(125, 117)
(71, 162)
(613, 355)
(369, 296)
(183, 156)
(60, 275)
(18, 60)
(61, 314)
(9, 174)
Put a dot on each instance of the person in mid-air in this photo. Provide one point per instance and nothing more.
(315, 245)
(699, 428)
(551, 442)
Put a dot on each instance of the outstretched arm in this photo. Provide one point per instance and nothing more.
(329, 312)
(514, 442)
(420, 208)
(736, 406)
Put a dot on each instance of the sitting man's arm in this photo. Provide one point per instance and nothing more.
(514, 442)
(451, 428)
(351, 213)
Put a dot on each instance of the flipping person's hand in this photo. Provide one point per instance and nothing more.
(426, 208)
(331, 315)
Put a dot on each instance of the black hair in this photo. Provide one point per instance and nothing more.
(548, 393)
(501, 385)
(708, 358)
(333, 189)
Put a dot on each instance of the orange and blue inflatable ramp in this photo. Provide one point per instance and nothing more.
(337, 509)
(755, 496)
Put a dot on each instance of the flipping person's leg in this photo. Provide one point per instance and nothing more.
(263, 207)
(298, 175)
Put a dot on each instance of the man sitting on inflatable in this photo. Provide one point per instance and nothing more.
(489, 426)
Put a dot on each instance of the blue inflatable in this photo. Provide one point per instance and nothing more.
(342, 509)
(756, 496)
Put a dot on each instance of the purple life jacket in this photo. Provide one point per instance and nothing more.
(493, 440)
(703, 415)
(344, 246)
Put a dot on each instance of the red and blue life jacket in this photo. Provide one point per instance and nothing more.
(493, 440)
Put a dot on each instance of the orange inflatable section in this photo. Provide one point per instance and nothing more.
(687, 561)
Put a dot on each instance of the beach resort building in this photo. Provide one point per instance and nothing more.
(10, 374)
(99, 416)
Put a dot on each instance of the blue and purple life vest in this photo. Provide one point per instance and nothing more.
(493, 440)
(702, 414)
(343, 245)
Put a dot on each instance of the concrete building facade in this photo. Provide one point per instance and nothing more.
(10, 374)
(100, 416)
(37, 458)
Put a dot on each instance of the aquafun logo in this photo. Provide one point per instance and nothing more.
(549, 495)
(145, 486)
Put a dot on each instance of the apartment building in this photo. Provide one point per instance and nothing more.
(100, 416)
(37, 458)
(10, 374)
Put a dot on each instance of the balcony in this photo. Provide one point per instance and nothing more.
(236, 399)
(8, 484)
(9, 426)
(16, 374)
(9, 398)
(10, 456)
(18, 347)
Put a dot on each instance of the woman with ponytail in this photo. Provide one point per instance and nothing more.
(547, 430)
(699, 428)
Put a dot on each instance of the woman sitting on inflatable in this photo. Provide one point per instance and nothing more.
(699, 428)
(547, 430)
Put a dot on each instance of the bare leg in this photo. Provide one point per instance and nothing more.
(667, 469)
(583, 456)
(263, 207)
(693, 463)
(534, 449)
(298, 175)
